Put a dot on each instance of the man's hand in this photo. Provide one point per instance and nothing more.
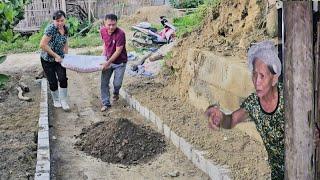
(58, 59)
(106, 65)
(215, 116)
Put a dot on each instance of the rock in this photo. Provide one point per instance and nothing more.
(174, 174)
(120, 155)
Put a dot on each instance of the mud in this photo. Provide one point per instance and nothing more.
(121, 141)
(18, 127)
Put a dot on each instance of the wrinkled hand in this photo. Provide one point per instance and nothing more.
(105, 65)
(215, 116)
(58, 59)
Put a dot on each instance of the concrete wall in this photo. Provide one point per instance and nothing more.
(209, 78)
(216, 79)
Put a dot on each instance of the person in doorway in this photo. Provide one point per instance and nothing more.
(265, 107)
(54, 45)
(114, 48)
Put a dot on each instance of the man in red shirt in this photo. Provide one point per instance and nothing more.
(114, 48)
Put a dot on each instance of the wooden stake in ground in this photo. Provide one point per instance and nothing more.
(298, 72)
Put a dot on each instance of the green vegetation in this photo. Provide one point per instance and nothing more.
(159, 27)
(3, 78)
(11, 12)
(73, 25)
(90, 40)
(188, 23)
(186, 3)
(168, 56)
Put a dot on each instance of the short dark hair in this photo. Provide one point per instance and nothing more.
(58, 14)
(112, 17)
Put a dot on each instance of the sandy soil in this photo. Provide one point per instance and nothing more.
(18, 126)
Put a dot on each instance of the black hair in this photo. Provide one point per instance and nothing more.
(112, 17)
(58, 14)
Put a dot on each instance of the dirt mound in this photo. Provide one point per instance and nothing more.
(121, 141)
(227, 30)
(151, 14)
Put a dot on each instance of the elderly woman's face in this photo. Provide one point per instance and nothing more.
(263, 79)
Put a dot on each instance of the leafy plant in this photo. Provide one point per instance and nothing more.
(73, 25)
(2, 58)
(3, 78)
(189, 22)
(88, 40)
(36, 37)
(186, 3)
(11, 12)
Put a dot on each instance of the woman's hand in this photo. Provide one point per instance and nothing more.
(58, 59)
(215, 116)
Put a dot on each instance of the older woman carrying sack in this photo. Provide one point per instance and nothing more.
(265, 107)
(54, 45)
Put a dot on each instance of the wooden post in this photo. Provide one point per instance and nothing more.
(316, 91)
(64, 6)
(298, 84)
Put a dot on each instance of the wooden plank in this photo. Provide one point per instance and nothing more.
(298, 65)
(317, 104)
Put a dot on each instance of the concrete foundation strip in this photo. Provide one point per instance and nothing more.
(215, 171)
(43, 152)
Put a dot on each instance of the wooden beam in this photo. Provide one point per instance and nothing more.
(317, 103)
(298, 68)
(63, 6)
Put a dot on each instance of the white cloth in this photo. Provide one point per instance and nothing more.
(83, 63)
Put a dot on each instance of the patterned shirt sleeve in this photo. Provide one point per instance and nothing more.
(49, 31)
(249, 104)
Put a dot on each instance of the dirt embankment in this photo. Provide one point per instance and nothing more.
(227, 30)
(151, 14)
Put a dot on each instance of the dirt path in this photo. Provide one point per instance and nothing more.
(16, 63)
(70, 163)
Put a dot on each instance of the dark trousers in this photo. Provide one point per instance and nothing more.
(55, 72)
